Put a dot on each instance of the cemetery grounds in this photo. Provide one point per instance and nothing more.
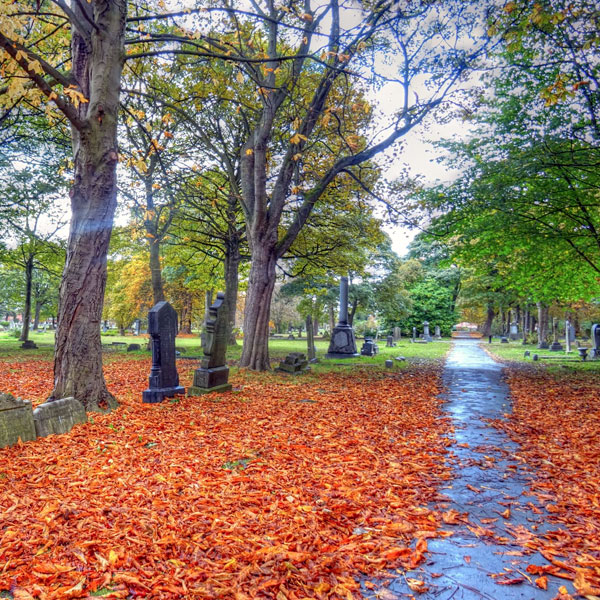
(325, 485)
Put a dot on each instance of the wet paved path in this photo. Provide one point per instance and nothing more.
(489, 479)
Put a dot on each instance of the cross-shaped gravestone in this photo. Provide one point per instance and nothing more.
(164, 379)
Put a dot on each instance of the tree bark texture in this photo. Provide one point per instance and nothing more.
(36, 316)
(310, 338)
(542, 322)
(97, 57)
(255, 352)
(231, 267)
(27, 309)
(487, 327)
(158, 294)
(185, 320)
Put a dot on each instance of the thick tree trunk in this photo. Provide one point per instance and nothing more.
(27, 311)
(97, 65)
(310, 338)
(542, 323)
(316, 326)
(255, 352)
(185, 320)
(231, 267)
(331, 319)
(352, 312)
(158, 294)
(36, 316)
(487, 327)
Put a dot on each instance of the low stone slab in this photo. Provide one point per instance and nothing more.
(58, 416)
(16, 420)
(133, 347)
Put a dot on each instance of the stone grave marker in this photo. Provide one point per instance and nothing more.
(438, 334)
(164, 379)
(294, 363)
(568, 340)
(397, 333)
(514, 331)
(556, 345)
(137, 325)
(596, 340)
(213, 374)
(16, 420)
(426, 335)
(369, 348)
(414, 336)
(343, 342)
(390, 342)
(58, 416)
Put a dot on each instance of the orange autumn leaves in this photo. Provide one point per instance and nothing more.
(556, 420)
(284, 489)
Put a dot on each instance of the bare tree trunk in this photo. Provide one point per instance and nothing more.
(316, 326)
(352, 312)
(331, 318)
(97, 65)
(231, 266)
(27, 311)
(487, 327)
(542, 324)
(185, 321)
(255, 353)
(36, 316)
(310, 338)
(158, 294)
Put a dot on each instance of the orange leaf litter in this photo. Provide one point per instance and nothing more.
(285, 489)
(556, 420)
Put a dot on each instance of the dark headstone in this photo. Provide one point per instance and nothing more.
(16, 420)
(543, 345)
(389, 364)
(294, 363)
(58, 416)
(213, 374)
(527, 353)
(583, 353)
(535, 357)
(369, 348)
(164, 379)
(390, 341)
(343, 342)
(133, 347)
(556, 345)
(514, 331)
(504, 340)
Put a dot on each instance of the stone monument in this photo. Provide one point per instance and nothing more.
(213, 374)
(58, 416)
(426, 335)
(294, 363)
(397, 333)
(369, 348)
(556, 345)
(137, 326)
(514, 331)
(164, 379)
(596, 340)
(343, 342)
(16, 420)
(414, 337)
(390, 342)
(438, 334)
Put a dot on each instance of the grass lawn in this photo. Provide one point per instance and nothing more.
(560, 361)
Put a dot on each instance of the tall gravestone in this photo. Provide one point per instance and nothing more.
(426, 335)
(438, 334)
(343, 342)
(164, 379)
(514, 331)
(397, 333)
(596, 340)
(556, 346)
(213, 374)
(414, 337)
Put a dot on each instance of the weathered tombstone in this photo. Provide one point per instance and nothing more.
(164, 379)
(568, 340)
(16, 420)
(556, 345)
(213, 374)
(294, 363)
(390, 341)
(389, 364)
(514, 331)
(438, 334)
(426, 335)
(137, 325)
(397, 333)
(596, 340)
(414, 337)
(104, 327)
(133, 347)
(369, 348)
(58, 416)
(343, 342)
